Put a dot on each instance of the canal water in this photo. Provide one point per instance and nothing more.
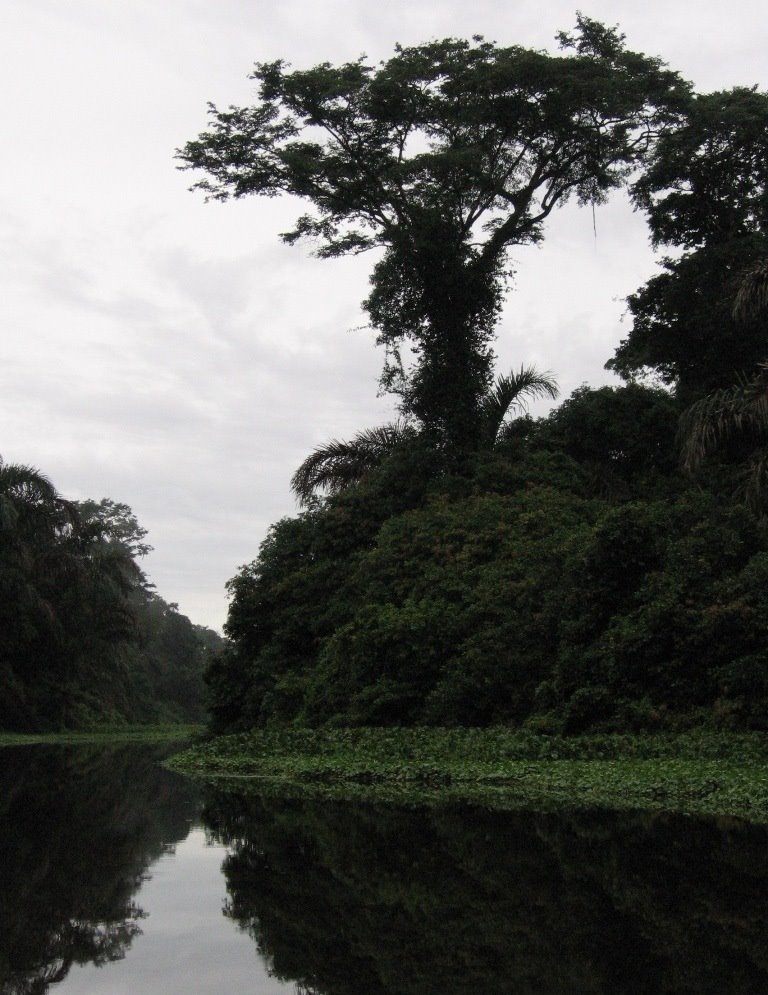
(118, 877)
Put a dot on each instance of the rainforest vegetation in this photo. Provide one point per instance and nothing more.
(84, 637)
(603, 568)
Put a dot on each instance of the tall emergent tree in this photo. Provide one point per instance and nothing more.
(443, 157)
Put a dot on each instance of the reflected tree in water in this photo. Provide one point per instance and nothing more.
(342, 899)
(78, 830)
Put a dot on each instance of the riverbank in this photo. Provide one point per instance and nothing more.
(699, 773)
(106, 734)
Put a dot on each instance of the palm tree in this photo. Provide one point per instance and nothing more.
(508, 399)
(752, 298)
(37, 525)
(338, 465)
(36, 530)
(737, 411)
(25, 492)
(65, 583)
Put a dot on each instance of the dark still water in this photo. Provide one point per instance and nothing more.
(118, 877)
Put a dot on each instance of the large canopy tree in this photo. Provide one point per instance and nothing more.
(443, 157)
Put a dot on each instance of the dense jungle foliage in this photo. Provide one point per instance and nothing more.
(602, 568)
(84, 638)
(521, 593)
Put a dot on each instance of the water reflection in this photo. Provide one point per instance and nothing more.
(344, 898)
(78, 829)
(347, 898)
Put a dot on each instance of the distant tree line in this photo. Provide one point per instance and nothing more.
(84, 638)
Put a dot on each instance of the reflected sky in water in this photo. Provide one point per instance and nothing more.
(187, 945)
(108, 884)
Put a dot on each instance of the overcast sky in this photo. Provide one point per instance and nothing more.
(175, 355)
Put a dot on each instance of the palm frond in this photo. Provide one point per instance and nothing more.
(753, 485)
(9, 514)
(511, 393)
(719, 416)
(337, 465)
(752, 299)
(25, 483)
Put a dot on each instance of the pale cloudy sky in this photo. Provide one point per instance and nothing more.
(175, 355)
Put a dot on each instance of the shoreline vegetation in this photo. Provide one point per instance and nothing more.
(603, 568)
(86, 641)
(106, 734)
(702, 773)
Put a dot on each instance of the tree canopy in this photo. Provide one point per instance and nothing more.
(708, 180)
(705, 192)
(442, 156)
